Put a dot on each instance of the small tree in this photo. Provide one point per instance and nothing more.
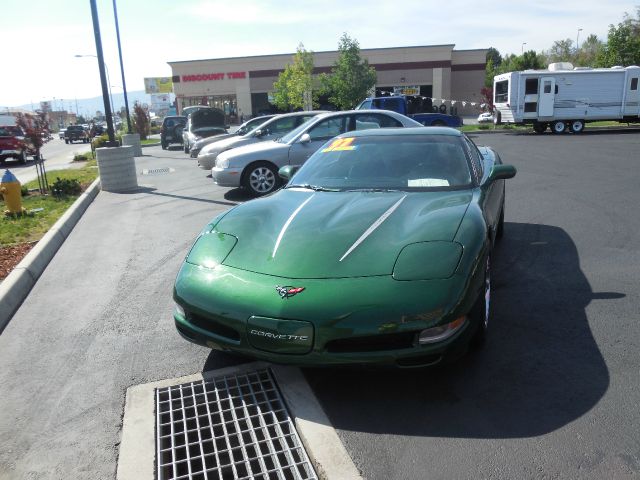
(294, 87)
(623, 43)
(351, 78)
(140, 121)
(33, 128)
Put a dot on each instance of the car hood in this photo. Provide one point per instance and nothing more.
(298, 233)
(265, 150)
(203, 142)
(227, 143)
(207, 117)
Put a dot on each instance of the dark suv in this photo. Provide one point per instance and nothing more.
(75, 133)
(171, 131)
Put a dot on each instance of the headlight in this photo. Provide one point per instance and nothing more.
(427, 261)
(179, 311)
(222, 162)
(211, 249)
(438, 334)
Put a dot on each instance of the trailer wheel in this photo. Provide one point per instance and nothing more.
(539, 127)
(577, 126)
(558, 127)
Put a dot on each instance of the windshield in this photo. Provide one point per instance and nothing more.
(402, 162)
(294, 133)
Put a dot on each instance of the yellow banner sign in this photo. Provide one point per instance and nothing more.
(158, 85)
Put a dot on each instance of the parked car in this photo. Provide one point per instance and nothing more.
(61, 133)
(278, 126)
(245, 128)
(171, 130)
(14, 144)
(414, 107)
(485, 117)
(377, 251)
(76, 133)
(203, 123)
(255, 167)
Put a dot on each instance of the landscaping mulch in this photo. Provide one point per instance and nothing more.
(11, 255)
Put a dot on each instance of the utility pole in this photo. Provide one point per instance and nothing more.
(124, 84)
(103, 79)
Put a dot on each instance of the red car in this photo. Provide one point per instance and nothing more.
(13, 144)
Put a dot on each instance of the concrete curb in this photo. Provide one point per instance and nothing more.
(136, 458)
(15, 288)
(530, 131)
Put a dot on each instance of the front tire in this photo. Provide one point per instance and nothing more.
(558, 127)
(481, 310)
(260, 178)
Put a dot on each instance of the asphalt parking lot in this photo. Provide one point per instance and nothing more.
(553, 394)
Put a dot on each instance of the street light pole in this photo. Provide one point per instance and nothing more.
(577, 38)
(103, 79)
(124, 85)
(522, 48)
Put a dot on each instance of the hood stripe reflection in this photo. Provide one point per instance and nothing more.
(373, 226)
(287, 223)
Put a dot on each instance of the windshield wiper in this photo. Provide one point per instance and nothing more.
(315, 188)
(373, 190)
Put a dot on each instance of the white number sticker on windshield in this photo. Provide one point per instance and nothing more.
(427, 182)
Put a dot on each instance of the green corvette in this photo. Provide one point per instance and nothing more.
(376, 251)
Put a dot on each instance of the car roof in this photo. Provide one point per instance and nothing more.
(297, 114)
(391, 132)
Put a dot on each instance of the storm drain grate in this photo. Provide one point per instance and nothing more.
(231, 427)
(156, 171)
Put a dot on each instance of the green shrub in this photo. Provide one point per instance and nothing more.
(99, 141)
(81, 157)
(65, 187)
(24, 191)
(508, 127)
(484, 126)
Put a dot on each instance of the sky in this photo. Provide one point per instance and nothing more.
(40, 63)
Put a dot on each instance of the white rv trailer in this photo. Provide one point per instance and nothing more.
(565, 98)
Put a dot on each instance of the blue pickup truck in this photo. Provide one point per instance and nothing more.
(413, 107)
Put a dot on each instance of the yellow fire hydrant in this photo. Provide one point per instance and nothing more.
(10, 190)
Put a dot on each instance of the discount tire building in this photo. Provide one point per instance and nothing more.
(241, 86)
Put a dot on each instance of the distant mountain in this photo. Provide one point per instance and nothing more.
(89, 106)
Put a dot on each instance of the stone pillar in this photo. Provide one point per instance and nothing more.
(117, 169)
(133, 139)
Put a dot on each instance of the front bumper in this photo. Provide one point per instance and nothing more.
(355, 321)
(227, 177)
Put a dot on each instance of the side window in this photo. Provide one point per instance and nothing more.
(634, 83)
(368, 121)
(366, 105)
(303, 119)
(547, 87)
(327, 129)
(282, 126)
(476, 159)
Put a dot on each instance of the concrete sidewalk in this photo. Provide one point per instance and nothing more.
(98, 321)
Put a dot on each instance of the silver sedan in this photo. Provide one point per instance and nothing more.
(255, 167)
(272, 129)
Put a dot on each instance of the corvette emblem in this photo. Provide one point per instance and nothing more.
(288, 291)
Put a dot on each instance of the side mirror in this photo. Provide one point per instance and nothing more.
(259, 133)
(502, 172)
(287, 171)
(306, 138)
